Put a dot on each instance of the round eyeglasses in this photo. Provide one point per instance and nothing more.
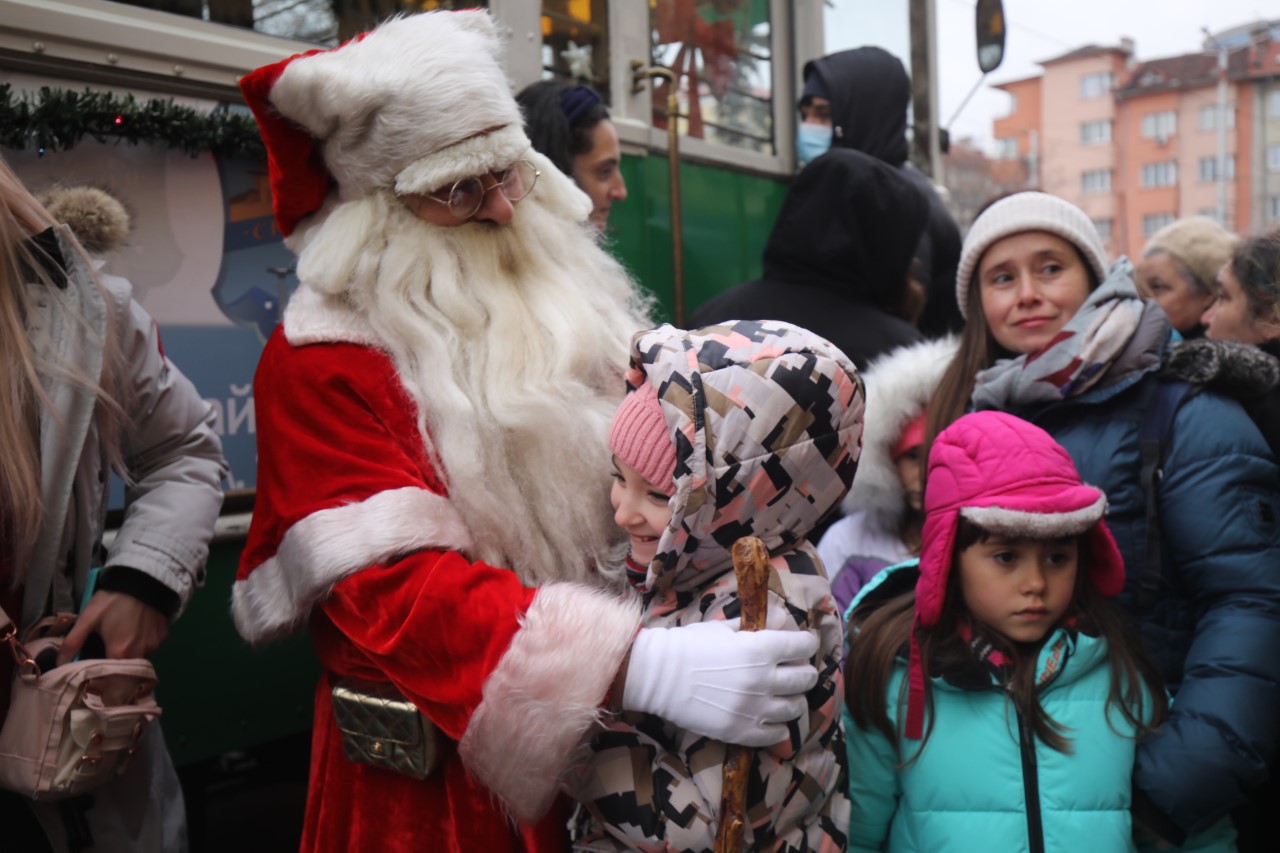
(465, 198)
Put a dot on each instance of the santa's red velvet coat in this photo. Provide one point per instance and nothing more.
(354, 531)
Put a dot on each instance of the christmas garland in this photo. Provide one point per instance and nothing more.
(57, 119)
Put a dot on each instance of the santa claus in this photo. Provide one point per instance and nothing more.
(433, 465)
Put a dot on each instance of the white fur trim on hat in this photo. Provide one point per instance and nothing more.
(415, 86)
(1029, 211)
(478, 155)
(1035, 525)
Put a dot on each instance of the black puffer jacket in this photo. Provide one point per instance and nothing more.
(837, 259)
(869, 92)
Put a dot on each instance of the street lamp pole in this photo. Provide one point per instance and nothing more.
(1222, 127)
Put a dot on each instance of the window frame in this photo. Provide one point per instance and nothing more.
(629, 34)
(1211, 111)
(1095, 123)
(1158, 174)
(1155, 119)
(1108, 86)
(1007, 148)
(1108, 183)
(1208, 169)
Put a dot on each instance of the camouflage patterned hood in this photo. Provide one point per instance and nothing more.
(767, 423)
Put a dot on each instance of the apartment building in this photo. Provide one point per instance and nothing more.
(1018, 134)
(1136, 144)
(1059, 132)
(1167, 138)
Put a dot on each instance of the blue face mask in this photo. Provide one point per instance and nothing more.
(812, 141)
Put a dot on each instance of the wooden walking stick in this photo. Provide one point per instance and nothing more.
(751, 565)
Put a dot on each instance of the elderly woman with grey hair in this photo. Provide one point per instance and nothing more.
(1179, 269)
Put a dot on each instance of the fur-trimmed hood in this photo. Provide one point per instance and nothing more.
(899, 385)
(767, 423)
(1238, 370)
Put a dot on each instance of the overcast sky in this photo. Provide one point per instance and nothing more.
(1037, 30)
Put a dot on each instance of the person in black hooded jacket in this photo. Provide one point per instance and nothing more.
(838, 258)
(867, 93)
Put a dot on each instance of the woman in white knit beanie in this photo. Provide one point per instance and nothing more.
(1057, 337)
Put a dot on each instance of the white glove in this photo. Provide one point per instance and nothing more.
(709, 678)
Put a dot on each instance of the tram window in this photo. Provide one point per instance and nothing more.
(325, 22)
(722, 54)
(575, 42)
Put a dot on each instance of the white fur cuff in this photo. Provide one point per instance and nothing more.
(1036, 525)
(476, 155)
(546, 693)
(331, 544)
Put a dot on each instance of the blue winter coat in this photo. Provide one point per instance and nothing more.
(982, 782)
(1214, 625)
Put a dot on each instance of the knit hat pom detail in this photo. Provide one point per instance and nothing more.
(639, 437)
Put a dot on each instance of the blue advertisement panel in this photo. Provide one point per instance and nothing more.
(205, 260)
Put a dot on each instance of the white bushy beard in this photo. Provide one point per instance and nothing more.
(512, 340)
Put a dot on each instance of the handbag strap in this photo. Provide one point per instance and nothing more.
(9, 635)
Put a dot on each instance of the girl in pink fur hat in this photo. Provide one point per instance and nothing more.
(995, 697)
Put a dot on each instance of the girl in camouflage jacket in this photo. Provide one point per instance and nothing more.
(738, 429)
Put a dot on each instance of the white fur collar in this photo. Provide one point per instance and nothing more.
(314, 318)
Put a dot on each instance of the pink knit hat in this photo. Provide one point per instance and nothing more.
(639, 437)
(1008, 477)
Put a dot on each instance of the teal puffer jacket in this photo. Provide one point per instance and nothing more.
(983, 783)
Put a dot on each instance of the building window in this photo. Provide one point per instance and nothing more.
(1007, 149)
(1095, 85)
(1273, 207)
(1095, 181)
(1104, 228)
(1160, 126)
(325, 22)
(1095, 132)
(1273, 158)
(725, 74)
(1273, 103)
(575, 42)
(1153, 222)
(1209, 117)
(1209, 168)
(1159, 174)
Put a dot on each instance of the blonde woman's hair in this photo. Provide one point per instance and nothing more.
(24, 262)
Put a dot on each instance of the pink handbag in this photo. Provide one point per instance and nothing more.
(73, 727)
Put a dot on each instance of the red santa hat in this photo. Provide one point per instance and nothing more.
(411, 106)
